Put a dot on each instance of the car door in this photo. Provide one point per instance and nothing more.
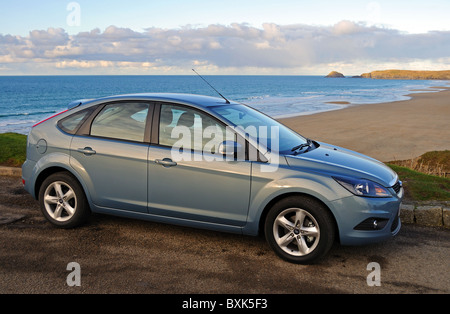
(110, 153)
(187, 177)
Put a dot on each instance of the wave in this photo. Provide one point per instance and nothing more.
(26, 114)
(17, 123)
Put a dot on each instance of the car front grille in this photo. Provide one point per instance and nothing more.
(397, 186)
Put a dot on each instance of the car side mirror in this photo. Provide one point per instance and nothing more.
(229, 148)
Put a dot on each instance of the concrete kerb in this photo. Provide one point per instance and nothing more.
(10, 171)
(423, 213)
(426, 213)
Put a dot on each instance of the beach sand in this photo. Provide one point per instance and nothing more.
(386, 131)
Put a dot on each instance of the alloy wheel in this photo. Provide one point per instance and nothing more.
(296, 231)
(60, 201)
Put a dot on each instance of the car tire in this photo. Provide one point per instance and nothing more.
(300, 229)
(62, 201)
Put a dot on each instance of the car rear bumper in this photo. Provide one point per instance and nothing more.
(27, 177)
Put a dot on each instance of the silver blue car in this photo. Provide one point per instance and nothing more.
(210, 163)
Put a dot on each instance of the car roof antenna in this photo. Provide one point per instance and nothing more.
(226, 100)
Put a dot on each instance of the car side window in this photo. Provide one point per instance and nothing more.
(71, 123)
(124, 121)
(189, 128)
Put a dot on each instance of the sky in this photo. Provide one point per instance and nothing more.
(261, 37)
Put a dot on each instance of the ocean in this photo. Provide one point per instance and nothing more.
(25, 100)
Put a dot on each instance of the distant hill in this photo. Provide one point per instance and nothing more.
(335, 74)
(408, 75)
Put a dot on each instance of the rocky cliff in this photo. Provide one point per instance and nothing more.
(408, 75)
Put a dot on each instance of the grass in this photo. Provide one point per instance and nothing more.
(425, 178)
(422, 187)
(418, 175)
(12, 149)
(439, 159)
(434, 163)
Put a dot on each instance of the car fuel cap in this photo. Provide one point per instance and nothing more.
(41, 146)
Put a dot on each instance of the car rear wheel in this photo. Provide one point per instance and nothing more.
(63, 201)
(300, 229)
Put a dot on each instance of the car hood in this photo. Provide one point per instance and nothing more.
(339, 161)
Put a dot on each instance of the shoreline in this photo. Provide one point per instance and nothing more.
(346, 104)
(388, 131)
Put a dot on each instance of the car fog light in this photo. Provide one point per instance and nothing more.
(372, 224)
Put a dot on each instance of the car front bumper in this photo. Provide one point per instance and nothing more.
(363, 220)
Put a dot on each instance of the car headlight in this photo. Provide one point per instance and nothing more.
(363, 187)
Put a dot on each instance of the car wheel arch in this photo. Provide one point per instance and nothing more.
(278, 198)
(45, 173)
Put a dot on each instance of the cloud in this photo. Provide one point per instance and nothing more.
(48, 38)
(236, 46)
(346, 27)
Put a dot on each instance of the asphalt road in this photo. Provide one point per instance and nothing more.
(117, 255)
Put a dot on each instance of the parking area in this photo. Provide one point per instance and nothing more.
(117, 255)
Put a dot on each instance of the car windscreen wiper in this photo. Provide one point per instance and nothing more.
(298, 147)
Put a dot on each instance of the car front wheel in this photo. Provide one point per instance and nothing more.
(62, 201)
(300, 229)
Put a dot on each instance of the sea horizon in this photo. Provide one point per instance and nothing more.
(27, 99)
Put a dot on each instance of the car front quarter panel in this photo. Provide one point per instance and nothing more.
(268, 186)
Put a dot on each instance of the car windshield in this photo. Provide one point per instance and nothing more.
(265, 130)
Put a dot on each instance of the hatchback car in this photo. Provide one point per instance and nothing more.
(205, 162)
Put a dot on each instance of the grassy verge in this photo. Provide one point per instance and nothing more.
(435, 163)
(13, 149)
(422, 187)
(426, 178)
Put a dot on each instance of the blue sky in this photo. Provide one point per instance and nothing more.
(228, 36)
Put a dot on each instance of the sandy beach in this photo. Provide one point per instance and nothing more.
(386, 131)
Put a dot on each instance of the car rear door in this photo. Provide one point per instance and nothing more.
(110, 153)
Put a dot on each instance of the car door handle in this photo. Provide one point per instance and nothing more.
(166, 162)
(87, 151)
